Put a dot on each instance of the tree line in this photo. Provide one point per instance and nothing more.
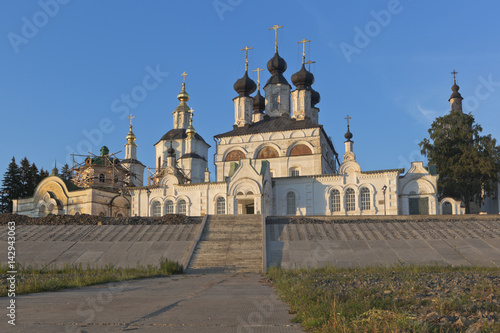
(20, 181)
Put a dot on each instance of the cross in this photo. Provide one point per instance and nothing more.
(304, 41)
(131, 117)
(184, 74)
(309, 63)
(348, 118)
(246, 56)
(275, 28)
(454, 75)
(258, 75)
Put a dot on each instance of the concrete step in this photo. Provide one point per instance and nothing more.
(229, 243)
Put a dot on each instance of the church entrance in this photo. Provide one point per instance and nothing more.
(246, 203)
(419, 206)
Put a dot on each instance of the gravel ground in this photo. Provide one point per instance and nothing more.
(85, 219)
(449, 300)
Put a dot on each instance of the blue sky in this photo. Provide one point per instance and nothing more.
(66, 65)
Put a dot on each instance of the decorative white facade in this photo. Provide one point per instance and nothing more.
(276, 160)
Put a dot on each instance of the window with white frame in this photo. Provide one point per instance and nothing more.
(294, 172)
(169, 207)
(350, 200)
(181, 208)
(291, 208)
(221, 206)
(156, 209)
(365, 198)
(335, 201)
(102, 178)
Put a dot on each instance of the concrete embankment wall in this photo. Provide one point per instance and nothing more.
(144, 242)
(354, 241)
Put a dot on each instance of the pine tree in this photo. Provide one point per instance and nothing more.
(25, 173)
(65, 172)
(11, 186)
(34, 176)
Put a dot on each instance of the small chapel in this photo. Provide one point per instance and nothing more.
(276, 160)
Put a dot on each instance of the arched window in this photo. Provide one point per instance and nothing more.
(102, 178)
(235, 155)
(350, 200)
(300, 149)
(365, 198)
(181, 209)
(156, 208)
(77, 213)
(169, 207)
(291, 208)
(267, 152)
(294, 172)
(221, 206)
(335, 201)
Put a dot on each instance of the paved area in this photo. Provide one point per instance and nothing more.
(182, 303)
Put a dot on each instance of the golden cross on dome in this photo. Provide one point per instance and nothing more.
(304, 41)
(309, 63)
(246, 56)
(184, 74)
(348, 118)
(275, 28)
(258, 75)
(131, 117)
(454, 75)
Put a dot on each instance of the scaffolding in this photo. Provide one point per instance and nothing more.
(155, 175)
(83, 174)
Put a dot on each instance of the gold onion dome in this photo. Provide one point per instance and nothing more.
(183, 96)
(131, 135)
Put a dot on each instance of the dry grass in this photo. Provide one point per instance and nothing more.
(392, 299)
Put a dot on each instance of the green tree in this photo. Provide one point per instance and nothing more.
(11, 186)
(66, 172)
(467, 162)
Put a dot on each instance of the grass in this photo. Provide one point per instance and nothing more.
(31, 279)
(399, 298)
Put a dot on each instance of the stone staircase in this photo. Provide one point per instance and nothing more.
(229, 243)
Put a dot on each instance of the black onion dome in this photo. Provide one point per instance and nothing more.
(245, 86)
(348, 135)
(455, 93)
(315, 97)
(303, 79)
(276, 65)
(259, 103)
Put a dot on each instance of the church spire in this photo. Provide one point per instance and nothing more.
(130, 146)
(455, 98)
(277, 88)
(181, 112)
(243, 103)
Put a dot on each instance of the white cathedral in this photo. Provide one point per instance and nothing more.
(276, 160)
